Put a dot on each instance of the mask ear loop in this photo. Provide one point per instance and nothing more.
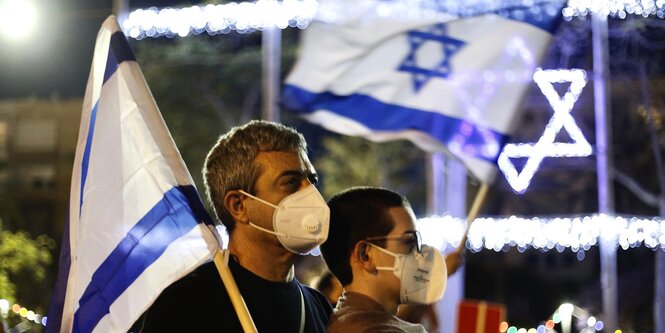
(266, 203)
(390, 253)
(281, 234)
(258, 199)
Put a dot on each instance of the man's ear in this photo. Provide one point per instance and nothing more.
(234, 203)
(362, 257)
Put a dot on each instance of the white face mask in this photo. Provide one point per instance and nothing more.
(300, 220)
(422, 275)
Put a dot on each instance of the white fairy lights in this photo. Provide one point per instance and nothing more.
(614, 8)
(242, 17)
(247, 17)
(546, 147)
(575, 233)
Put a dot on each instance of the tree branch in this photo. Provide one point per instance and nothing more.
(644, 195)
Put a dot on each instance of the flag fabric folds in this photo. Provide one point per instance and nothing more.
(444, 82)
(136, 223)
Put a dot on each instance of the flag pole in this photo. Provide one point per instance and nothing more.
(221, 260)
(473, 212)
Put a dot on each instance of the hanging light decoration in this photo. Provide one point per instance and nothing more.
(544, 233)
(614, 8)
(242, 17)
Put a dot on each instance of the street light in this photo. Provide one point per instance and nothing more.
(18, 18)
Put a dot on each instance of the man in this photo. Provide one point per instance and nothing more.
(374, 250)
(257, 176)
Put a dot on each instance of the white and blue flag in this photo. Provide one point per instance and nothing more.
(446, 82)
(136, 222)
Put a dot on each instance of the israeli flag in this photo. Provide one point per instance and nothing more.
(445, 82)
(136, 222)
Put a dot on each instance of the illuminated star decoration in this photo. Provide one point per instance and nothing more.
(417, 39)
(546, 147)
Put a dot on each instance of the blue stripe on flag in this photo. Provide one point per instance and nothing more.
(196, 205)
(86, 151)
(469, 138)
(167, 221)
(58, 299)
(546, 15)
(119, 51)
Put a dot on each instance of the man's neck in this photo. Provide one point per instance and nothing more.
(268, 260)
(372, 291)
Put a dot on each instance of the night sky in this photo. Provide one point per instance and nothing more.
(56, 58)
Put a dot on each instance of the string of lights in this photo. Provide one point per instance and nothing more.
(614, 8)
(563, 315)
(21, 311)
(246, 17)
(575, 233)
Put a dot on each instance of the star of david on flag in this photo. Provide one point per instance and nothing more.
(136, 222)
(444, 82)
(561, 120)
(418, 40)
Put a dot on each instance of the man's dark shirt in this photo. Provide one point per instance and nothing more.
(199, 303)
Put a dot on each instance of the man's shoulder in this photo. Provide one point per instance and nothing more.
(204, 278)
(370, 322)
(203, 286)
(315, 295)
(318, 307)
(358, 313)
(202, 290)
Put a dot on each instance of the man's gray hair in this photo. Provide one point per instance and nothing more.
(230, 163)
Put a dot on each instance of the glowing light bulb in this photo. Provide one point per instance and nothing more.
(550, 324)
(17, 18)
(599, 325)
(556, 318)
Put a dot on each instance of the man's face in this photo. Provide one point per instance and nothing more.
(282, 174)
(400, 241)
